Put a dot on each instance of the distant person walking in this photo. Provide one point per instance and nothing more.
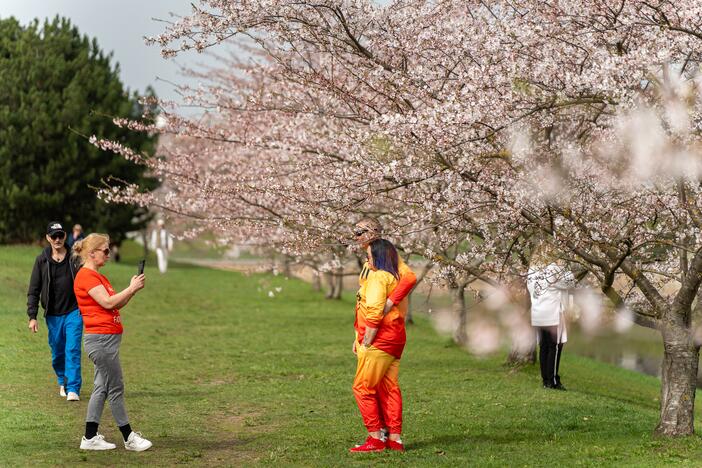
(51, 284)
(75, 235)
(99, 305)
(548, 283)
(162, 243)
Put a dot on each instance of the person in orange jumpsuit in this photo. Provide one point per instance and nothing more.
(380, 339)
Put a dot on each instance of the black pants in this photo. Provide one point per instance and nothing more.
(549, 355)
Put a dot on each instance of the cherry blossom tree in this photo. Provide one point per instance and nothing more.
(470, 128)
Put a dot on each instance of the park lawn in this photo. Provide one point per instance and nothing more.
(218, 373)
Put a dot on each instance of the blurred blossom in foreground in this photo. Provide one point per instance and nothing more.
(623, 320)
(521, 333)
(497, 298)
(444, 320)
(590, 303)
(483, 337)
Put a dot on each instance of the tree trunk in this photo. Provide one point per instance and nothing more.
(408, 318)
(427, 267)
(335, 282)
(286, 267)
(460, 334)
(316, 281)
(146, 243)
(679, 382)
(521, 354)
(518, 357)
(329, 279)
(338, 283)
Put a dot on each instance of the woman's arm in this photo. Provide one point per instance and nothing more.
(119, 300)
(407, 282)
(375, 302)
(369, 336)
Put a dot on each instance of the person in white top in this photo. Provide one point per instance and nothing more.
(548, 284)
(162, 243)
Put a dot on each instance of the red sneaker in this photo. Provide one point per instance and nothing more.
(372, 445)
(394, 445)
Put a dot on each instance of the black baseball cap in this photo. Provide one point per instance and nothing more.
(54, 227)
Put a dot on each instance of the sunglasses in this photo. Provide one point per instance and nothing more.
(58, 235)
(105, 251)
(359, 232)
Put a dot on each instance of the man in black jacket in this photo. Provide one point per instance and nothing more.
(51, 285)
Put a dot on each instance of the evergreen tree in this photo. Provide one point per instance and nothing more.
(56, 88)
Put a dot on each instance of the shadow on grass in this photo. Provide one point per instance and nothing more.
(633, 400)
(204, 442)
(170, 393)
(460, 441)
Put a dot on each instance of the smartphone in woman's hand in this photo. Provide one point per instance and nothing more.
(140, 270)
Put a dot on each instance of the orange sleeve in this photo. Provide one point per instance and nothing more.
(376, 296)
(407, 281)
(85, 282)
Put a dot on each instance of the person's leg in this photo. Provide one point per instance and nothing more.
(133, 441)
(552, 355)
(96, 353)
(390, 398)
(544, 340)
(92, 440)
(74, 334)
(547, 355)
(559, 351)
(57, 343)
(94, 349)
(115, 386)
(372, 366)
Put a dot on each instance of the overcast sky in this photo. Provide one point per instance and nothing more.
(119, 26)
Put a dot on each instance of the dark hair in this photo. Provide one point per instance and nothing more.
(385, 257)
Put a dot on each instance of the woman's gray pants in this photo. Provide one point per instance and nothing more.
(103, 350)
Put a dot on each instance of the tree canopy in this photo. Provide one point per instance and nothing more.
(56, 87)
(573, 129)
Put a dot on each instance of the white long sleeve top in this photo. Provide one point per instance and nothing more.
(548, 288)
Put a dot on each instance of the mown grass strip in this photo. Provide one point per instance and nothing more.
(219, 373)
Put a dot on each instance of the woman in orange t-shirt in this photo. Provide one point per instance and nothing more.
(99, 306)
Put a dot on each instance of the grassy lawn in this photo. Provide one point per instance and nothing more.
(218, 373)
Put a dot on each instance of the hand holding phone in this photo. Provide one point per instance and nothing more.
(140, 270)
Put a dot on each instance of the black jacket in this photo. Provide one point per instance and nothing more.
(40, 282)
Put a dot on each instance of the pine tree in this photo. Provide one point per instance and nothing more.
(57, 87)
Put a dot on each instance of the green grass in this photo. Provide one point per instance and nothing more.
(217, 373)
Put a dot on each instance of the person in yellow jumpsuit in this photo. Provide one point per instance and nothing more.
(381, 308)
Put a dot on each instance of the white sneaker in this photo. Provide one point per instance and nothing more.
(72, 396)
(96, 443)
(62, 391)
(136, 443)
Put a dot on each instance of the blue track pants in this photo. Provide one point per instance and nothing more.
(65, 333)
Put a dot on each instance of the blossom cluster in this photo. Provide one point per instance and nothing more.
(472, 129)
